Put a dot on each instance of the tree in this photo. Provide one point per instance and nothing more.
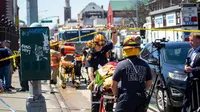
(143, 12)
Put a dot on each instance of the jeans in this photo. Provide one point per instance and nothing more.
(5, 74)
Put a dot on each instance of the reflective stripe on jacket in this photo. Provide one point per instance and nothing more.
(55, 58)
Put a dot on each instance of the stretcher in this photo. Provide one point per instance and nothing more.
(101, 88)
(66, 70)
(70, 70)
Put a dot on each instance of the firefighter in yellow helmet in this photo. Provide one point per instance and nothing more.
(55, 59)
(89, 48)
(135, 76)
(98, 58)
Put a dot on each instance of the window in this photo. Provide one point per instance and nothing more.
(164, 19)
(146, 52)
(176, 54)
(178, 18)
(153, 22)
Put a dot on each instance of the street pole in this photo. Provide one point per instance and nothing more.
(137, 14)
(36, 101)
(32, 11)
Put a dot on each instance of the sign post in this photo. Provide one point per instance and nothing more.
(35, 64)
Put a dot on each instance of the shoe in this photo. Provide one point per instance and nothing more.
(52, 82)
(22, 90)
(8, 90)
(12, 87)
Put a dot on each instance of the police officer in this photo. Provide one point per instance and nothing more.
(134, 76)
(98, 58)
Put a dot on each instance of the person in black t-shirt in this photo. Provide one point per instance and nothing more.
(134, 76)
(98, 58)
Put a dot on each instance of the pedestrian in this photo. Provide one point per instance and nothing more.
(194, 70)
(98, 58)
(7, 46)
(23, 83)
(4, 67)
(134, 76)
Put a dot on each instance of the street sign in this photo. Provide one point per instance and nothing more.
(46, 21)
(35, 53)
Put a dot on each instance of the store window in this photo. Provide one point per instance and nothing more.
(178, 18)
(153, 22)
(164, 19)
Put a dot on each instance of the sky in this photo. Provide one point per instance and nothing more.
(47, 8)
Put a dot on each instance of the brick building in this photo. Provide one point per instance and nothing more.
(119, 10)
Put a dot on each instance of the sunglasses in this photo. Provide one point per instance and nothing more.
(101, 43)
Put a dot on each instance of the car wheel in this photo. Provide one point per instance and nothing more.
(159, 99)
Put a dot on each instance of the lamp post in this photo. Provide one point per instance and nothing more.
(137, 14)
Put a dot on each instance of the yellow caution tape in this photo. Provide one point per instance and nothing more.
(61, 42)
(152, 29)
(10, 57)
(14, 59)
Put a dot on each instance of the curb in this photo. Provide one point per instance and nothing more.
(60, 99)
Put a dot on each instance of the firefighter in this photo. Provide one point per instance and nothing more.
(135, 77)
(98, 58)
(55, 59)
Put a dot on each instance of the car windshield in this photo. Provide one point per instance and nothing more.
(176, 54)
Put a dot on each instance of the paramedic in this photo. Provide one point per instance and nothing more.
(134, 76)
(98, 58)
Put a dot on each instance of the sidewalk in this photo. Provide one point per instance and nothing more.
(17, 100)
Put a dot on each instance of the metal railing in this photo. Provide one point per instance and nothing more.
(13, 36)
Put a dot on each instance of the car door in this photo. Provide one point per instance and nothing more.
(148, 54)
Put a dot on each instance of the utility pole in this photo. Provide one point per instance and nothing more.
(137, 14)
(36, 101)
(32, 11)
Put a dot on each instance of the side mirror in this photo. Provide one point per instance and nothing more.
(153, 61)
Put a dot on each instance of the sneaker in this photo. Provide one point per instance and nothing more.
(12, 87)
(52, 82)
(8, 90)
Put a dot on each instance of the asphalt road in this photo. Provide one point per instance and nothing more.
(78, 100)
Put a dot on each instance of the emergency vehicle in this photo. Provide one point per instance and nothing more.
(117, 50)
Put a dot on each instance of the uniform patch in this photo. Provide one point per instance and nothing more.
(89, 58)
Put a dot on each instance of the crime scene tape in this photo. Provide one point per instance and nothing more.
(7, 105)
(152, 29)
(61, 42)
(10, 57)
(161, 29)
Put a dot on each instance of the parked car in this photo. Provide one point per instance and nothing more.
(172, 62)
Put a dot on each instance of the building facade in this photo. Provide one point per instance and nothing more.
(67, 11)
(122, 12)
(90, 13)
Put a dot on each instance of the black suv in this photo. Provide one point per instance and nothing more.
(172, 62)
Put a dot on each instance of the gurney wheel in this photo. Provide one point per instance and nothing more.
(77, 85)
(63, 85)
